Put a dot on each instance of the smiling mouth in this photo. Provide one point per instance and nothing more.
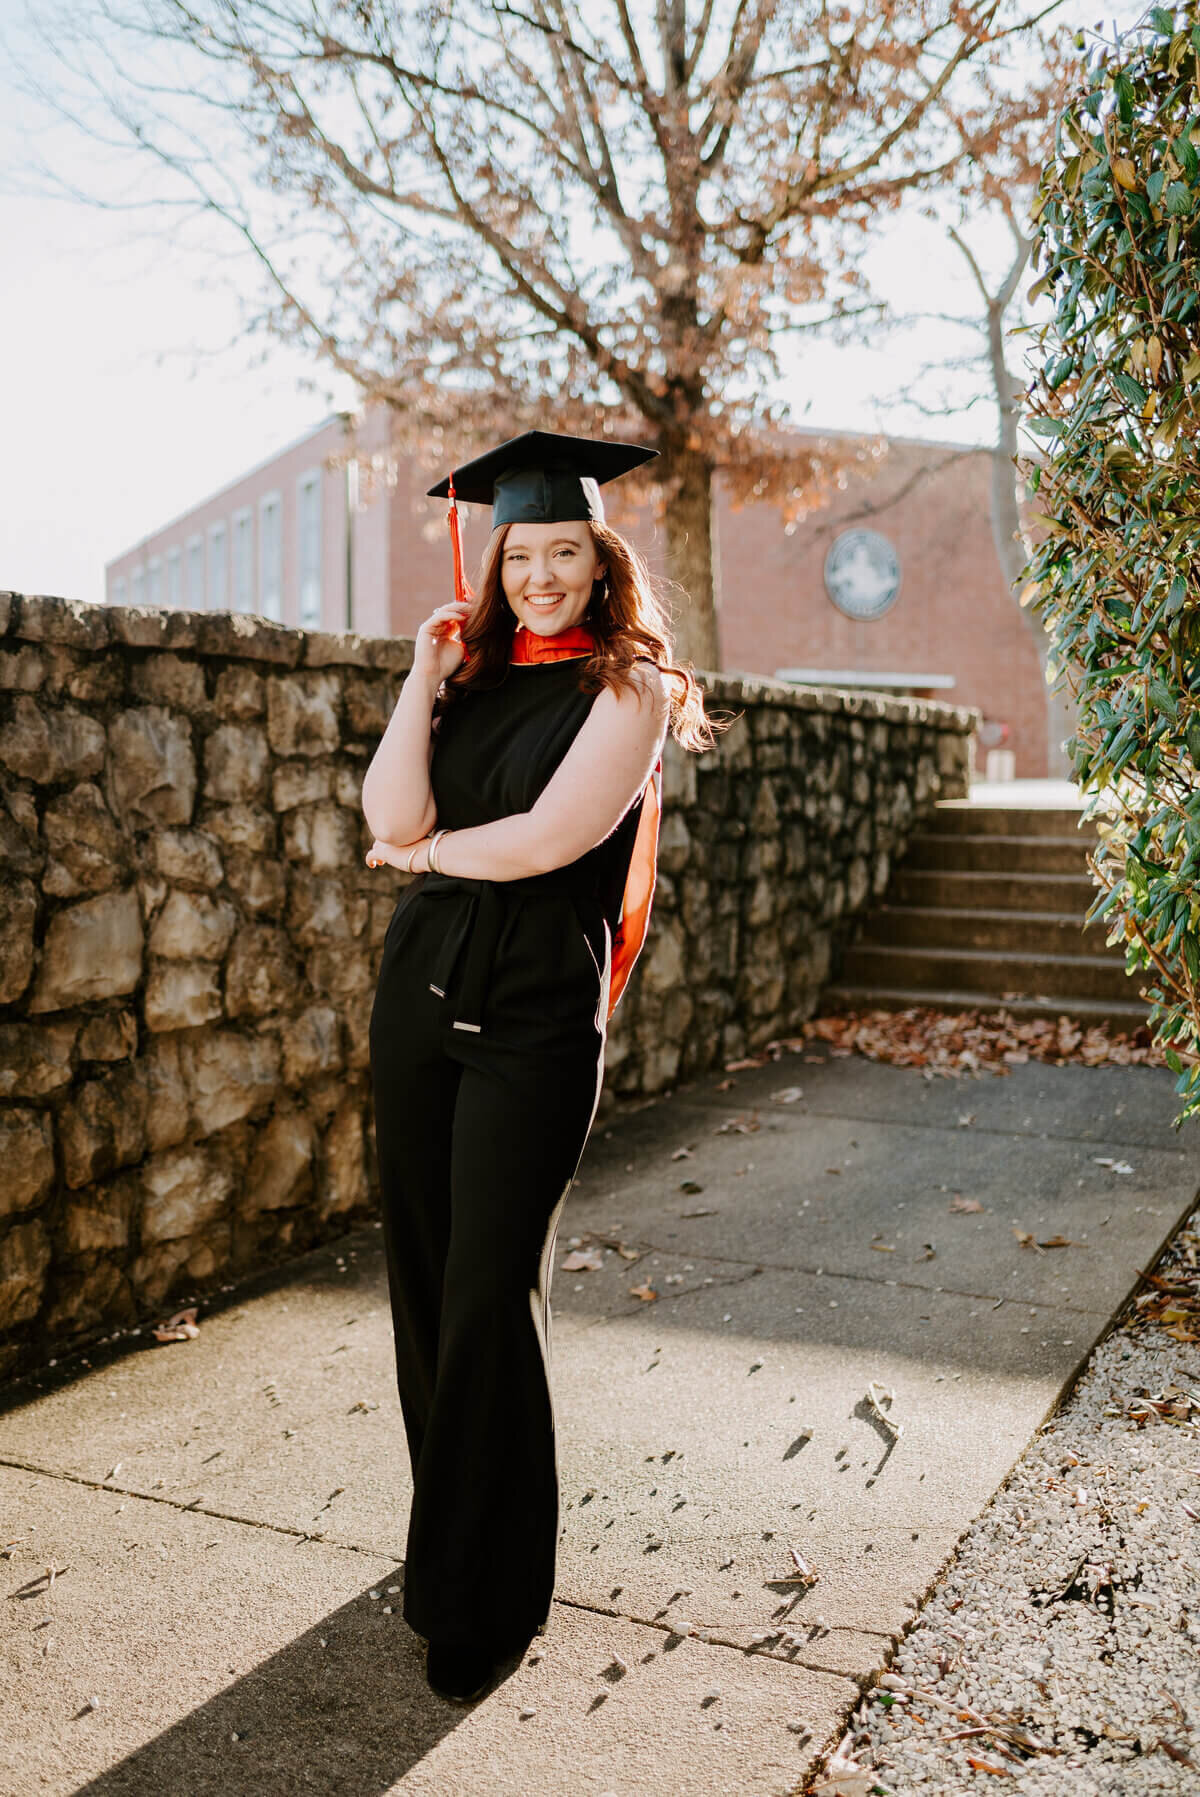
(545, 600)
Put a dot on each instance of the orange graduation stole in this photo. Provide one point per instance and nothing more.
(528, 646)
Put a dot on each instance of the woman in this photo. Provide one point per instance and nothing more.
(519, 779)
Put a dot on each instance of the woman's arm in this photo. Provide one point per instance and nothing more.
(397, 800)
(598, 779)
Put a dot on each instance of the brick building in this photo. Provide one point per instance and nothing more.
(894, 584)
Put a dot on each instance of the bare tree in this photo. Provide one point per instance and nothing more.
(1013, 544)
(1007, 186)
(501, 213)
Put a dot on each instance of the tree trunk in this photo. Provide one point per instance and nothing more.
(687, 478)
(1011, 549)
(1006, 526)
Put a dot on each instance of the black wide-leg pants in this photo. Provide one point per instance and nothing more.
(479, 1137)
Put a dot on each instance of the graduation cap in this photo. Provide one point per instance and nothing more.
(543, 477)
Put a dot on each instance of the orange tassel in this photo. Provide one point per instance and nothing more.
(462, 587)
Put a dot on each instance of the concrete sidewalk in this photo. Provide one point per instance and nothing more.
(226, 1517)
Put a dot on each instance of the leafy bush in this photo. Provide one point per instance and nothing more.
(1115, 575)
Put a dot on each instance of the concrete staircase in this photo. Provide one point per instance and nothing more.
(986, 908)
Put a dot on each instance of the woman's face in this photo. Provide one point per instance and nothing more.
(547, 571)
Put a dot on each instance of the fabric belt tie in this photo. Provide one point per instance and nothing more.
(479, 928)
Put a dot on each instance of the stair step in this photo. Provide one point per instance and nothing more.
(961, 817)
(1120, 1014)
(997, 854)
(988, 972)
(961, 887)
(1018, 932)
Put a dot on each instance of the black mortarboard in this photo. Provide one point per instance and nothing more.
(543, 477)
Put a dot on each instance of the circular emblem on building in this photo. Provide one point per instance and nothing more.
(862, 574)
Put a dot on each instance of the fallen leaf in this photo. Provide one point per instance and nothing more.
(986, 1766)
(583, 1260)
(787, 1094)
(646, 1292)
(954, 1044)
(883, 1247)
(757, 1060)
(702, 1212)
(805, 1573)
(964, 1207)
(178, 1328)
(724, 1085)
(692, 1186)
(1028, 1240)
(740, 1126)
(880, 1400)
(682, 1154)
(1103, 1160)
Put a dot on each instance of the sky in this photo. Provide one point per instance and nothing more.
(131, 390)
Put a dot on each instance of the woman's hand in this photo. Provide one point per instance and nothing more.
(438, 650)
(396, 855)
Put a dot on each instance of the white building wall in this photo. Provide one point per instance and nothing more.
(179, 563)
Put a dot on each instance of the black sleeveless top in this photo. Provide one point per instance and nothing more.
(494, 753)
(522, 959)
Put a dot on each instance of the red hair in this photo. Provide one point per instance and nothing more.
(626, 616)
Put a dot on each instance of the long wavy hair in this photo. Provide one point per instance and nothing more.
(624, 613)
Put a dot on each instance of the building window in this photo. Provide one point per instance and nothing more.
(175, 578)
(195, 573)
(243, 561)
(308, 546)
(218, 568)
(154, 581)
(119, 589)
(137, 585)
(270, 556)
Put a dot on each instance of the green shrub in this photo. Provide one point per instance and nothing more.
(1115, 401)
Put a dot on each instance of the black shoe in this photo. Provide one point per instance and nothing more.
(463, 1671)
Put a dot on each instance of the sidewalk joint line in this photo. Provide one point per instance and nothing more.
(810, 1110)
(707, 1638)
(194, 1507)
(909, 1285)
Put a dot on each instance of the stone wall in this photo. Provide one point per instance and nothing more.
(189, 933)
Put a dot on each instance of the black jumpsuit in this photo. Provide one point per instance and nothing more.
(487, 1057)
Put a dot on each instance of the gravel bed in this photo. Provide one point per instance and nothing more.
(1061, 1650)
